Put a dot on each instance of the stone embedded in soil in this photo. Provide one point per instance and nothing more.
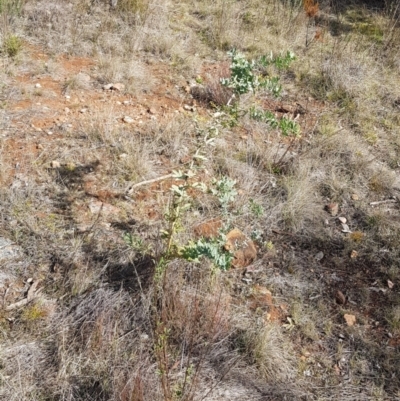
(353, 254)
(128, 120)
(118, 87)
(97, 207)
(343, 220)
(55, 164)
(8, 250)
(319, 256)
(332, 208)
(208, 229)
(242, 247)
(355, 197)
(83, 77)
(107, 87)
(350, 319)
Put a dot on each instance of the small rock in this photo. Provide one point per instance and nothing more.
(189, 108)
(49, 132)
(353, 254)
(119, 103)
(83, 111)
(332, 208)
(128, 120)
(390, 284)
(126, 102)
(218, 114)
(123, 156)
(55, 164)
(39, 146)
(343, 220)
(8, 250)
(105, 209)
(152, 110)
(355, 197)
(350, 319)
(243, 248)
(38, 86)
(83, 77)
(319, 256)
(326, 222)
(208, 229)
(108, 87)
(118, 87)
(67, 110)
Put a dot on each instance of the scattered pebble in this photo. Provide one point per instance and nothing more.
(189, 108)
(128, 120)
(355, 197)
(350, 319)
(343, 220)
(319, 256)
(55, 164)
(38, 86)
(118, 87)
(332, 208)
(353, 254)
(83, 111)
(83, 77)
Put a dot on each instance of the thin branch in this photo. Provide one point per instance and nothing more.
(130, 188)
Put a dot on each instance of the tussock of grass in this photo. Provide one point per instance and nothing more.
(109, 324)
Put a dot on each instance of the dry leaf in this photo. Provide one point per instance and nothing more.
(345, 228)
(337, 370)
(340, 298)
(350, 319)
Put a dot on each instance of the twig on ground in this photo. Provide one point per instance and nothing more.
(130, 189)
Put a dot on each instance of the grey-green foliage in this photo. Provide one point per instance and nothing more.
(211, 248)
(214, 248)
(249, 76)
(224, 190)
(287, 126)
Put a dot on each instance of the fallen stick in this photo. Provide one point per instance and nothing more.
(383, 202)
(130, 189)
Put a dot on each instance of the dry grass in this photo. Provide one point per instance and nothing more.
(105, 327)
